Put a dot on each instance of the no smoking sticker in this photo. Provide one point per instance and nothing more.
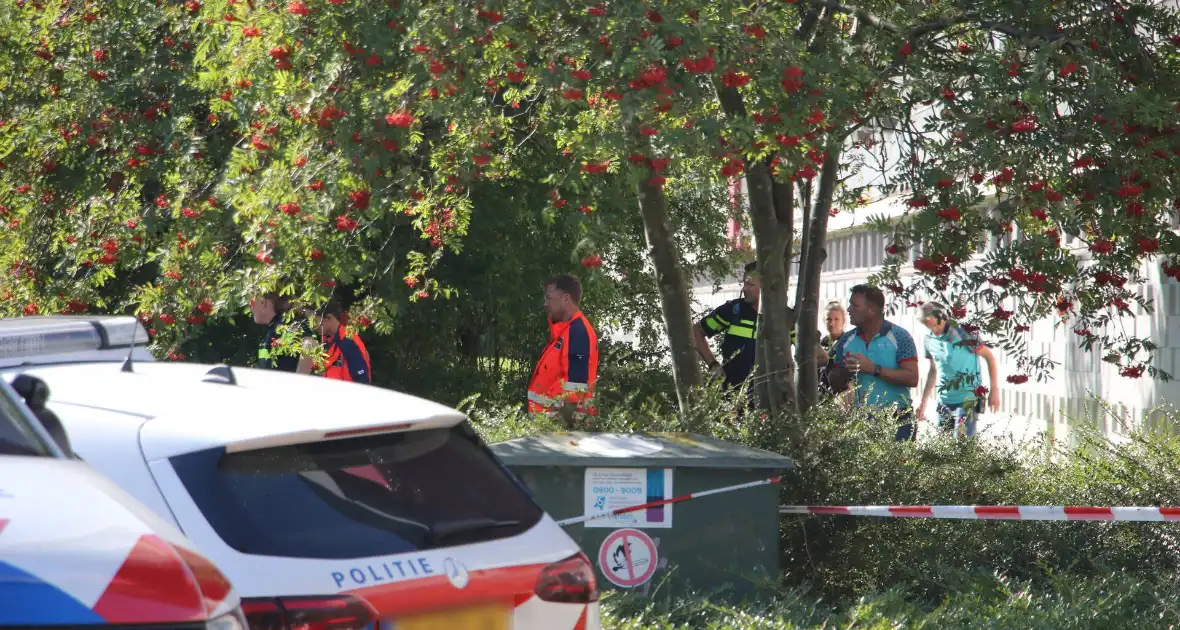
(628, 558)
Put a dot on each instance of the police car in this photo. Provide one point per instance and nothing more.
(75, 550)
(325, 502)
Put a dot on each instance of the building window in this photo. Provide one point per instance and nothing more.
(877, 250)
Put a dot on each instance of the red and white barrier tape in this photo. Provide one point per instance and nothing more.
(684, 497)
(995, 512)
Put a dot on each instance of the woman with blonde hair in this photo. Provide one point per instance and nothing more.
(834, 319)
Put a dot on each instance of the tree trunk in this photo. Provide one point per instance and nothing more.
(784, 209)
(809, 277)
(675, 302)
(760, 383)
(805, 203)
(775, 315)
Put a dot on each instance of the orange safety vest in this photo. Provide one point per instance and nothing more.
(549, 387)
(336, 366)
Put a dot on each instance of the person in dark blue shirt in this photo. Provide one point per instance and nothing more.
(281, 348)
(737, 320)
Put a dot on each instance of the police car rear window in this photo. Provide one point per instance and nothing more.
(359, 497)
(16, 436)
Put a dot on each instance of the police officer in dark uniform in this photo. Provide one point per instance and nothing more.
(279, 349)
(738, 320)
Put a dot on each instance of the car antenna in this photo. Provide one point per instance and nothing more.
(221, 374)
(127, 363)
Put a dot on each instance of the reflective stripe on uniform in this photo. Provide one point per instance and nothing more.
(576, 387)
(580, 412)
(745, 332)
(745, 328)
(539, 399)
(716, 323)
(551, 403)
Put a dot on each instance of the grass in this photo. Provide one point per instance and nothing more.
(1114, 601)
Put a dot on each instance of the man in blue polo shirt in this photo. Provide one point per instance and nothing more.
(879, 357)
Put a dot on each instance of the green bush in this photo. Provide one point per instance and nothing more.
(852, 462)
(876, 572)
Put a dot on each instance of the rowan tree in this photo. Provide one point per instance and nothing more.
(1023, 94)
(201, 151)
(179, 158)
(1041, 173)
(190, 155)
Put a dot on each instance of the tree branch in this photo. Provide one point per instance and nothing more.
(931, 27)
(860, 14)
(731, 100)
(807, 25)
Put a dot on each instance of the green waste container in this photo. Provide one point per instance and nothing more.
(724, 541)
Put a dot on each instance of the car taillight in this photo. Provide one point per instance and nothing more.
(569, 581)
(340, 612)
(335, 612)
(263, 614)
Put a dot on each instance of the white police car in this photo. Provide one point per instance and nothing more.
(324, 501)
(75, 550)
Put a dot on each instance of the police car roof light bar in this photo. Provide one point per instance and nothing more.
(56, 338)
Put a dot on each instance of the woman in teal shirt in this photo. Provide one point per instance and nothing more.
(954, 365)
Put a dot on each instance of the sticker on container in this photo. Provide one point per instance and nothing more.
(610, 489)
(628, 558)
(614, 445)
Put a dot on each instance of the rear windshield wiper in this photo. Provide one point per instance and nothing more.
(450, 529)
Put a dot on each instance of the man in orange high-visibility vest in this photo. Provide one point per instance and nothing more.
(563, 381)
(346, 358)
